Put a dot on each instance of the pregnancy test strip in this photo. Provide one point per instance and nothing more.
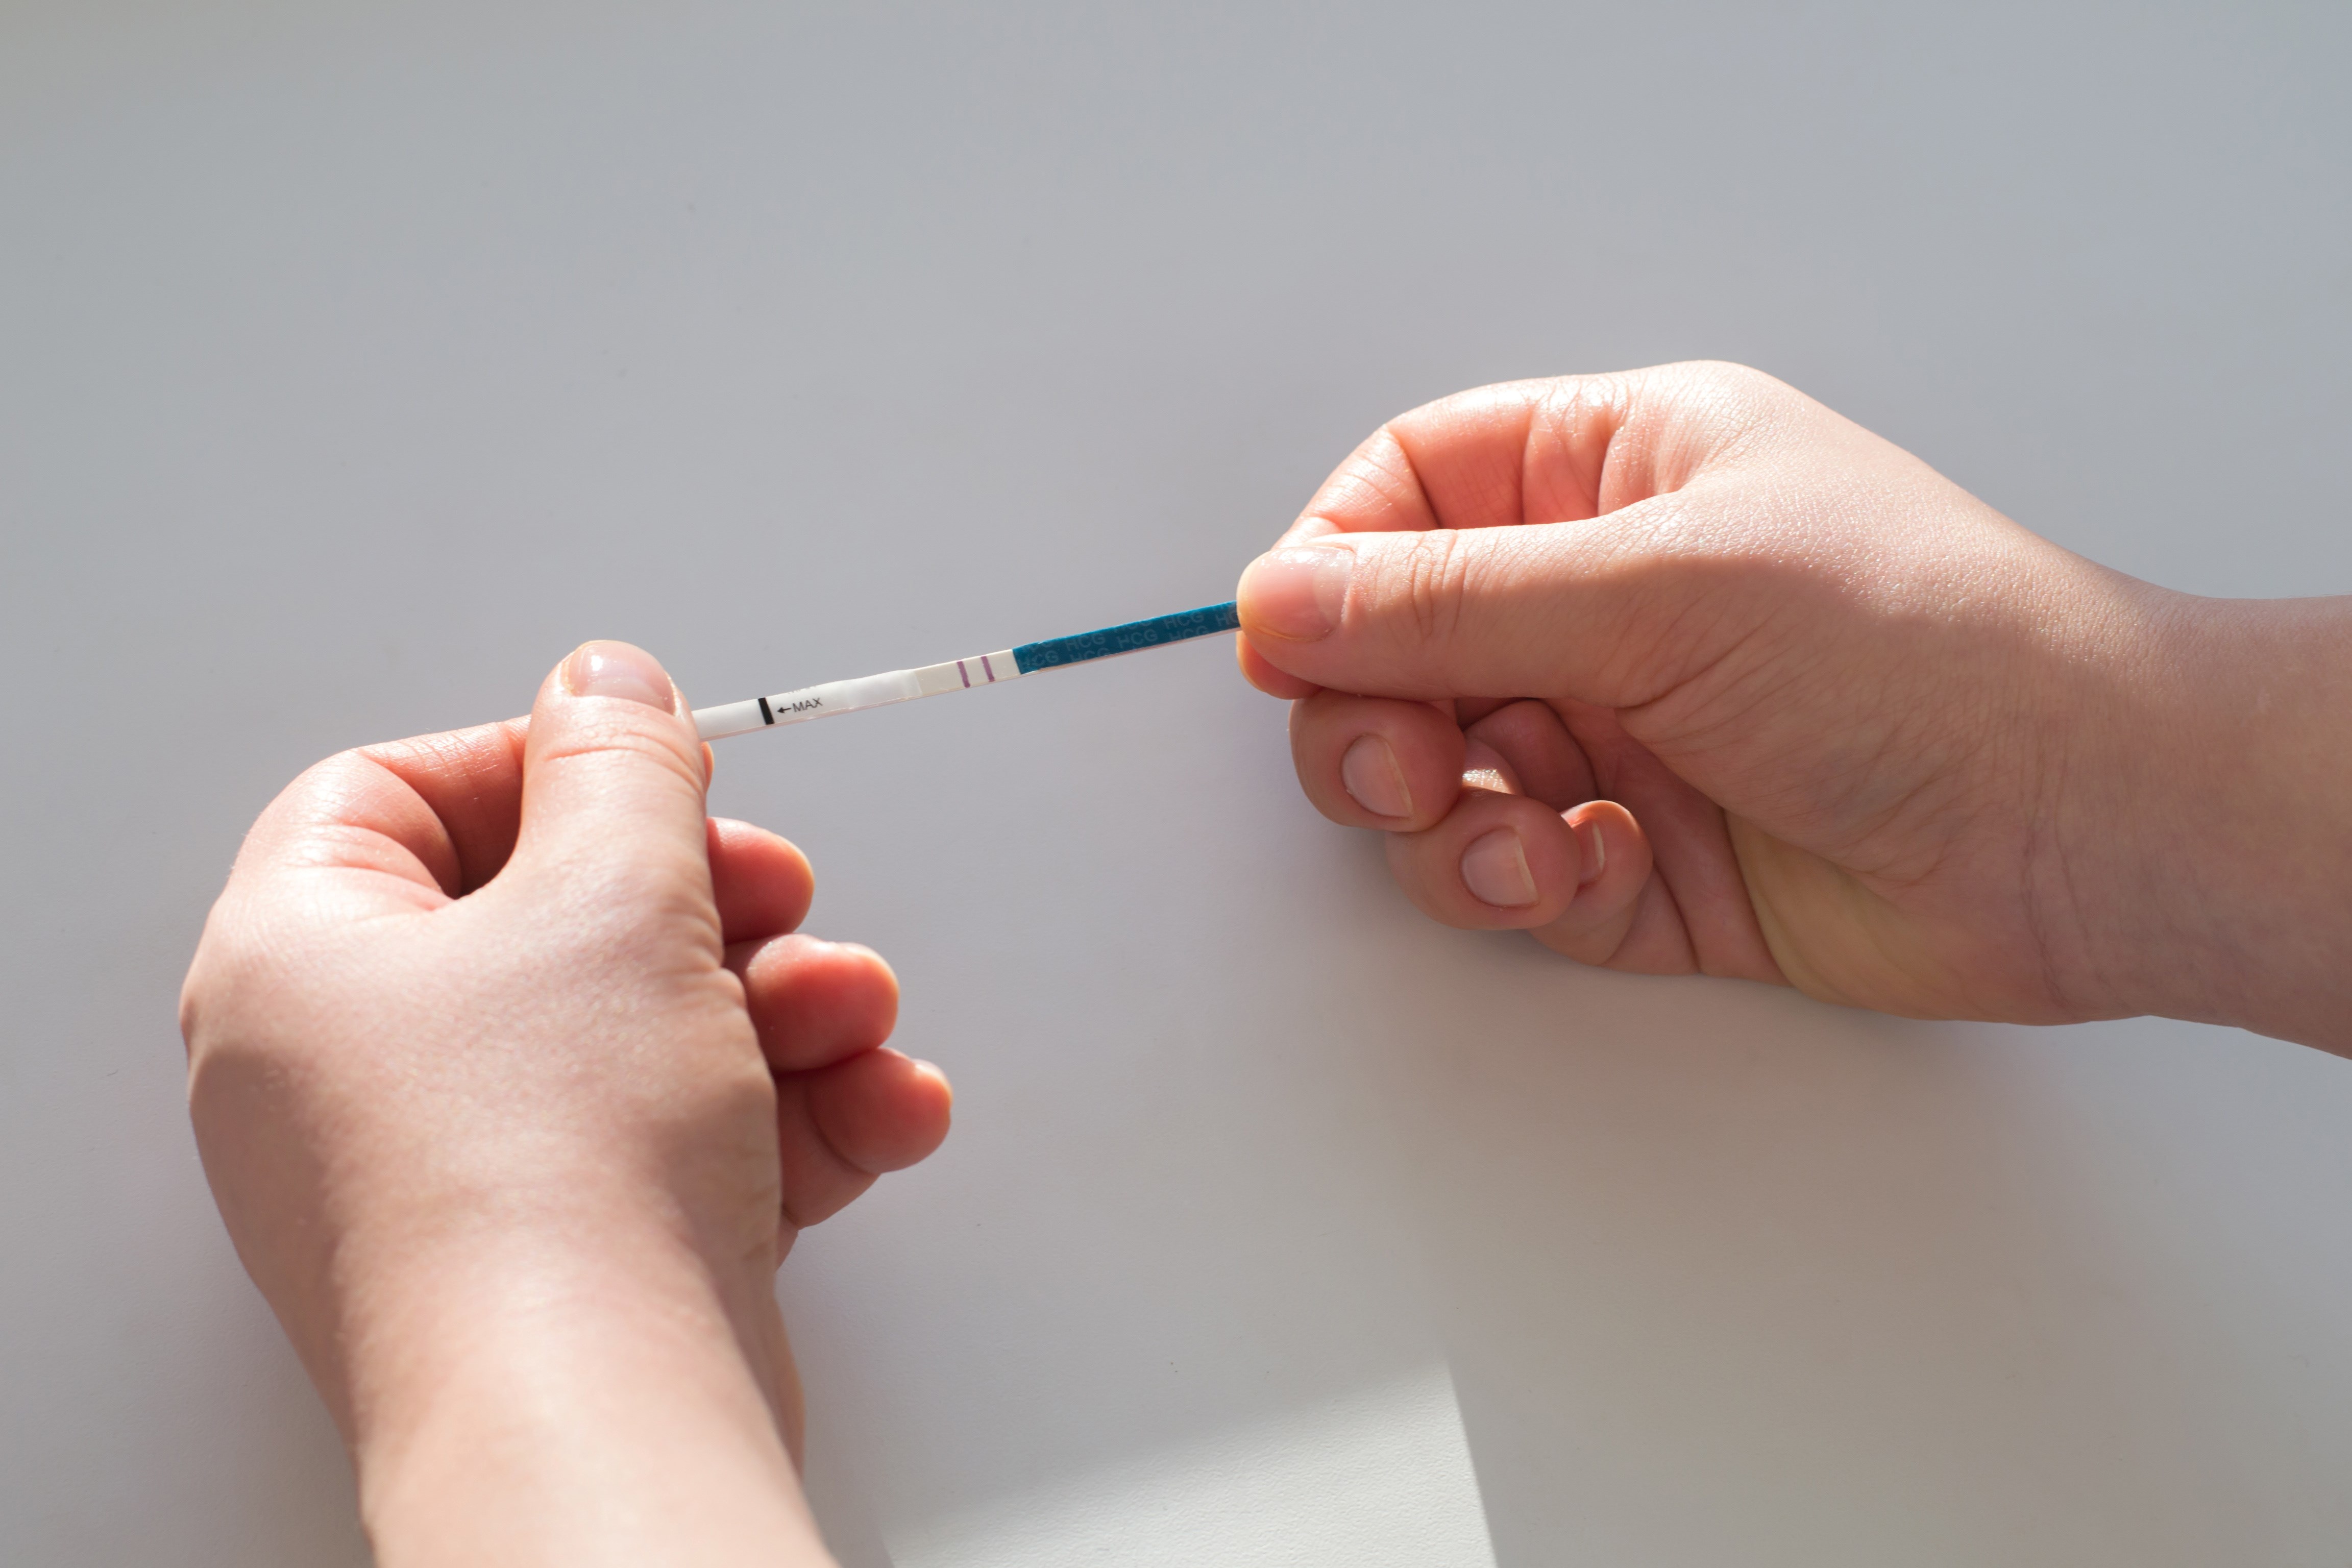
(957, 675)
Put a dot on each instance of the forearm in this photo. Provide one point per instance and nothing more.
(576, 1418)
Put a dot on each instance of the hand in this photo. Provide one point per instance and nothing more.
(1681, 671)
(513, 1091)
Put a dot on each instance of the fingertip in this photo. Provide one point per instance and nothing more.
(1592, 846)
(882, 1111)
(930, 1100)
(1543, 757)
(1296, 593)
(1494, 866)
(613, 775)
(760, 881)
(1611, 846)
(1615, 862)
(816, 1003)
(877, 974)
(618, 670)
(1376, 761)
(1496, 862)
(1267, 676)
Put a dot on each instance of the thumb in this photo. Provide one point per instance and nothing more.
(1601, 610)
(612, 775)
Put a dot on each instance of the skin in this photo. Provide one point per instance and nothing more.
(1682, 672)
(514, 1087)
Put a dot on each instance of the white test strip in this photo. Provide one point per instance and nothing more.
(849, 696)
(962, 674)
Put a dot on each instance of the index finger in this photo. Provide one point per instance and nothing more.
(1515, 452)
(1520, 451)
(471, 780)
(436, 811)
(1565, 448)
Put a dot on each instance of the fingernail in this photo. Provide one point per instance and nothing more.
(1370, 774)
(1596, 852)
(1494, 869)
(1296, 593)
(616, 669)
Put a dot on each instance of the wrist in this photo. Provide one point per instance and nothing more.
(620, 1405)
(2227, 888)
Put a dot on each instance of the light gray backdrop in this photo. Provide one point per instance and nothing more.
(358, 360)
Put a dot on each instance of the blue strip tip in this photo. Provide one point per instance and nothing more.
(1182, 627)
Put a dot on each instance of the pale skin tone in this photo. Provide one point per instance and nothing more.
(1739, 689)
(514, 1087)
(514, 1091)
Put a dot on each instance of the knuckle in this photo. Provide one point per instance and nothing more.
(1567, 400)
(624, 741)
(1429, 584)
(1729, 378)
(237, 969)
(1744, 400)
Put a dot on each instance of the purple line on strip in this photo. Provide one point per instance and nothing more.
(989, 668)
(965, 673)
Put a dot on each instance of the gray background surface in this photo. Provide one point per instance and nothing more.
(358, 360)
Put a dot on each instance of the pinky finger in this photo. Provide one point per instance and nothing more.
(1616, 868)
(839, 1127)
(881, 1109)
